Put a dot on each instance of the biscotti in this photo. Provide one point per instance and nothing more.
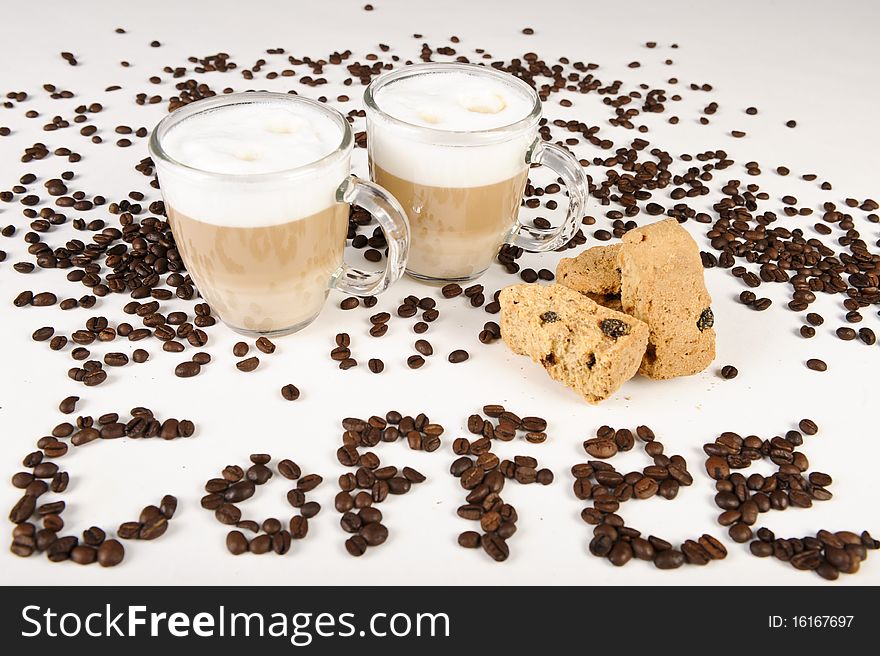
(657, 275)
(661, 283)
(593, 273)
(590, 348)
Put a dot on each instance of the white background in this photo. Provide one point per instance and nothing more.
(789, 59)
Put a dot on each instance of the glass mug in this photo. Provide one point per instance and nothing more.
(462, 188)
(264, 249)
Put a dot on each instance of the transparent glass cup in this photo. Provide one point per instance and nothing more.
(462, 189)
(269, 272)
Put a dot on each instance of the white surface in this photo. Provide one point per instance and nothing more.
(788, 59)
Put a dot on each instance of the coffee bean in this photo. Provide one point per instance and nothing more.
(258, 473)
(290, 392)
(469, 539)
(808, 427)
(289, 469)
(44, 299)
(374, 534)
(415, 361)
(299, 527)
(240, 349)
(816, 364)
(739, 532)
(261, 544)
(459, 355)
(168, 506)
(600, 448)
(309, 482)
(265, 345)
(729, 372)
(356, 545)
(376, 365)
(110, 553)
(248, 364)
(495, 546)
(669, 559)
(451, 290)
(68, 405)
(227, 514)
(236, 542)
(187, 369)
(621, 553)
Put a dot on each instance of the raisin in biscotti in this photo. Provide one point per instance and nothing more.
(590, 348)
(593, 273)
(662, 284)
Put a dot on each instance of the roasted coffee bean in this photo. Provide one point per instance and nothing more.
(248, 364)
(128, 530)
(310, 509)
(621, 553)
(239, 491)
(154, 528)
(668, 559)
(68, 405)
(289, 469)
(600, 448)
(258, 473)
(374, 533)
(413, 475)
(187, 369)
(816, 364)
(424, 347)
(265, 345)
(739, 532)
(261, 544)
(309, 482)
(110, 553)
(356, 545)
(457, 356)
(227, 514)
(415, 361)
(495, 546)
(290, 392)
(168, 506)
(808, 427)
(236, 542)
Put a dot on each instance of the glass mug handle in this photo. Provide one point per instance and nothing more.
(392, 219)
(563, 163)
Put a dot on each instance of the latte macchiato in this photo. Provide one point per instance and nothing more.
(268, 276)
(460, 229)
(460, 183)
(256, 189)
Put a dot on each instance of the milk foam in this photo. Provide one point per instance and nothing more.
(246, 140)
(450, 102)
(454, 101)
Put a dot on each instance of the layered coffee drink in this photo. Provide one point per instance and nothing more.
(262, 246)
(451, 145)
